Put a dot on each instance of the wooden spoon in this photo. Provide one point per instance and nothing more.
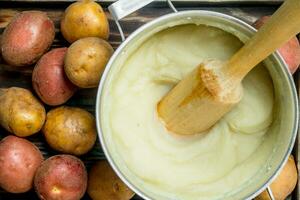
(211, 90)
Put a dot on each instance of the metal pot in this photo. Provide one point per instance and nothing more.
(284, 127)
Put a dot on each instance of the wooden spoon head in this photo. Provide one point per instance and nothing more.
(198, 101)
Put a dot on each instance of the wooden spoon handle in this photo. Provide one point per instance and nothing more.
(283, 25)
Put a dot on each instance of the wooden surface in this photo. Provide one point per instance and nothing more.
(176, 1)
(10, 76)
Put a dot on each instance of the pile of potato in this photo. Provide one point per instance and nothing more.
(56, 77)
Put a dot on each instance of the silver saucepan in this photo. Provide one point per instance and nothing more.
(285, 124)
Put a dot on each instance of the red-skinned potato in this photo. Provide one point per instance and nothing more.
(19, 160)
(61, 177)
(49, 79)
(290, 51)
(27, 38)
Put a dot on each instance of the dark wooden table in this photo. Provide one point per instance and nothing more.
(248, 11)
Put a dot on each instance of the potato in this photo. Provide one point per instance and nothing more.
(84, 19)
(19, 160)
(20, 112)
(49, 79)
(61, 177)
(284, 184)
(290, 51)
(85, 61)
(103, 183)
(27, 38)
(70, 130)
(1, 59)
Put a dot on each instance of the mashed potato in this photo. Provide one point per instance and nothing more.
(204, 166)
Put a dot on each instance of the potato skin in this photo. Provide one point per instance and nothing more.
(85, 61)
(49, 79)
(290, 51)
(76, 23)
(284, 184)
(103, 183)
(27, 38)
(19, 160)
(61, 177)
(20, 112)
(70, 130)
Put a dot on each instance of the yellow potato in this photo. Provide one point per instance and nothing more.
(20, 112)
(284, 184)
(84, 19)
(70, 130)
(103, 183)
(85, 61)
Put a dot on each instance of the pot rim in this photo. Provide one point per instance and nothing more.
(206, 13)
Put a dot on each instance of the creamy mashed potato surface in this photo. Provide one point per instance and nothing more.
(205, 166)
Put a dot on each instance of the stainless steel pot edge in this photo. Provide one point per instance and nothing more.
(266, 186)
(276, 55)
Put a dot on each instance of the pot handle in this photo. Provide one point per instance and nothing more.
(122, 8)
(269, 190)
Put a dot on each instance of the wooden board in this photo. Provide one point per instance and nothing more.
(10, 76)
